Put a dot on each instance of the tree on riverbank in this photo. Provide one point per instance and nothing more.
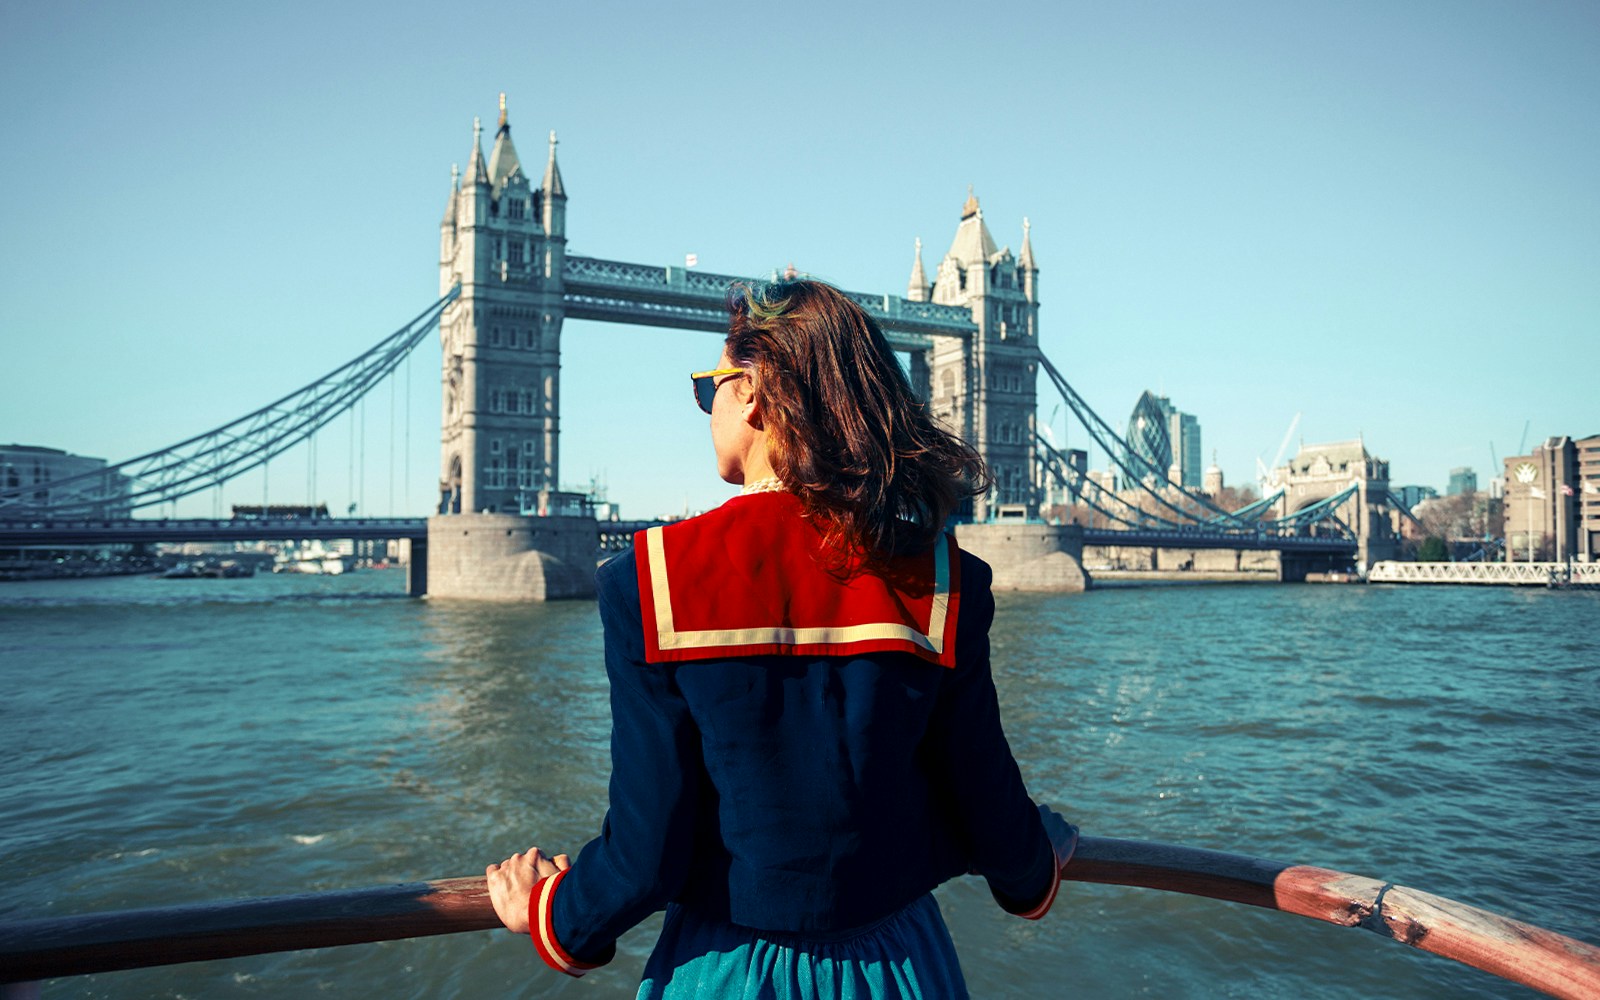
(1433, 549)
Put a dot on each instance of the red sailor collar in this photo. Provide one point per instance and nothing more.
(751, 578)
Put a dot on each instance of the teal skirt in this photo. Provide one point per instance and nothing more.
(907, 954)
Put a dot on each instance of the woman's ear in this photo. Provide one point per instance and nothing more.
(749, 401)
(751, 412)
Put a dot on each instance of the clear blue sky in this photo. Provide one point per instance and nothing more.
(1383, 216)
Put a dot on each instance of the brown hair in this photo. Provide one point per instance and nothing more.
(845, 433)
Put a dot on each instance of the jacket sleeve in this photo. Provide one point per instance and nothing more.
(640, 860)
(1006, 837)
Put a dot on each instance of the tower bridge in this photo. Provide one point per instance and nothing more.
(969, 333)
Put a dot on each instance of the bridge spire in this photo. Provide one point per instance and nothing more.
(973, 245)
(503, 161)
(917, 288)
(1028, 265)
(455, 194)
(477, 171)
(552, 173)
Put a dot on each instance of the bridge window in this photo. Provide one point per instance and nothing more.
(518, 208)
(494, 446)
(494, 337)
(527, 338)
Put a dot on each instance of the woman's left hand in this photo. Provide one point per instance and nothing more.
(511, 884)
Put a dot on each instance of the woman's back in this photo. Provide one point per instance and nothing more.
(805, 734)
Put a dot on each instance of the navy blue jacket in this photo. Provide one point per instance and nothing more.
(795, 795)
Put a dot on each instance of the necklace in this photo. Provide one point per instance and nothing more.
(772, 484)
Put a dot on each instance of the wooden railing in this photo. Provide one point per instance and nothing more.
(103, 942)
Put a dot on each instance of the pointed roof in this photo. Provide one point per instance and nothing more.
(503, 162)
(455, 191)
(919, 277)
(477, 171)
(552, 173)
(1026, 259)
(973, 243)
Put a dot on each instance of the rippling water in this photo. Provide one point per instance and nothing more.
(177, 741)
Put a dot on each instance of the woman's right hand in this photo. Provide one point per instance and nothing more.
(511, 884)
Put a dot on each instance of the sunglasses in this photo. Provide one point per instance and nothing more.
(706, 385)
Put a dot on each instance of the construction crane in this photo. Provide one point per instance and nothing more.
(1265, 474)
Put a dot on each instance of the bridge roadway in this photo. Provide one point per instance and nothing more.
(687, 299)
(613, 535)
(175, 530)
(1185, 538)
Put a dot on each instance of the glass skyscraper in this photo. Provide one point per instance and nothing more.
(1163, 444)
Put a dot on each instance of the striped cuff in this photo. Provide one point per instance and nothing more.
(1055, 880)
(541, 924)
(1049, 897)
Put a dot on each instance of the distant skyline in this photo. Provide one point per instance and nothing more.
(1385, 218)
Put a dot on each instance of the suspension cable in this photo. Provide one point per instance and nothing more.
(226, 452)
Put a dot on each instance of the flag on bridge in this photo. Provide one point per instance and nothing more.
(691, 260)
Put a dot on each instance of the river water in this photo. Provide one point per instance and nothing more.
(177, 741)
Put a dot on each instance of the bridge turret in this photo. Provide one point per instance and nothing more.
(447, 232)
(1026, 267)
(918, 288)
(473, 248)
(553, 196)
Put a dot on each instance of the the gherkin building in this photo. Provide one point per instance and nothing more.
(1149, 438)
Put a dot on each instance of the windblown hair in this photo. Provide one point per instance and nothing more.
(845, 433)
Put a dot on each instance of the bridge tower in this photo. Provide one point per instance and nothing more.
(503, 241)
(1320, 471)
(985, 388)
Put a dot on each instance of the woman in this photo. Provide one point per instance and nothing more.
(805, 735)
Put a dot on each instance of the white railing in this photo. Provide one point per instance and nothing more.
(1524, 574)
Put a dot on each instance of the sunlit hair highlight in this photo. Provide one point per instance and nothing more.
(845, 433)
